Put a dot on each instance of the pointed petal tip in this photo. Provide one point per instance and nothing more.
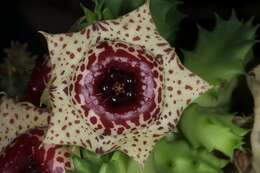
(208, 86)
(44, 34)
(203, 87)
(139, 150)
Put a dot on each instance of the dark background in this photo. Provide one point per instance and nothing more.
(21, 19)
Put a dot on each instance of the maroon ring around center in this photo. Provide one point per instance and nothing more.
(126, 63)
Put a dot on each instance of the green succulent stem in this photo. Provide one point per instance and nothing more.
(16, 69)
(219, 57)
(212, 129)
(178, 156)
(221, 54)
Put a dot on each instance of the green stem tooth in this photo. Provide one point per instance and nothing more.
(212, 129)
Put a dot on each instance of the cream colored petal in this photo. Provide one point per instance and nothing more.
(66, 50)
(68, 125)
(139, 148)
(181, 88)
(18, 117)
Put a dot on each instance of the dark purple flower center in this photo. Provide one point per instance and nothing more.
(116, 84)
(118, 87)
(32, 167)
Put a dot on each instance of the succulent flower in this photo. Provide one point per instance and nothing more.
(117, 85)
(207, 128)
(18, 117)
(22, 131)
(28, 154)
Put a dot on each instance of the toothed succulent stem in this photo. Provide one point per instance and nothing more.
(212, 129)
(219, 96)
(16, 69)
(208, 123)
(179, 157)
(225, 58)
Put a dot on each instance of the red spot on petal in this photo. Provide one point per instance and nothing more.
(169, 88)
(93, 120)
(136, 38)
(188, 87)
(178, 112)
(188, 101)
(68, 165)
(88, 33)
(99, 150)
(120, 130)
(11, 121)
(79, 49)
(82, 67)
(60, 159)
(72, 55)
(77, 121)
(64, 127)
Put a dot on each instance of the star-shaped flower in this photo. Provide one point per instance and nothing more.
(90, 66)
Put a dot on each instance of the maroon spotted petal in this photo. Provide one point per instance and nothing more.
(18, 117)
(28, 154)
(117, 85)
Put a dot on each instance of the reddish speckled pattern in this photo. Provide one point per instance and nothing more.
(29, 146)
(128, 57)
(17, 117)
(74, 55)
